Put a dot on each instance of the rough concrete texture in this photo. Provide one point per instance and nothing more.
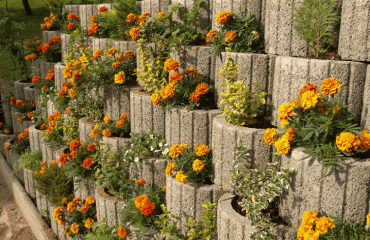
(29, 183)
(7, 113)
(57, 229)
(108, 207)
(45, 67)
(17, 126)
(36, 138)
(123, 46)
(42, 204)
(292, 73)
(39, 105)
(205, 12)
(115, 143)
(12, 157)
(185, 200)
(58, 76)
(35, 67)
(19, 89)
(365, 117)
(64, 45)
(85, 127)
(198, 57)
(100, 43)
(47, 35)
(354, 41)
(190, 127)
(50, 151)
(155, 6)
(342, 192)
(4, 138)
(152, 171)
(254, 7)
(144, 116)
(30, 93)
(254, 68)
(117, 101)
(83, 188)
(72, 8)
(50, 107)
(86, 11)
(224, 142)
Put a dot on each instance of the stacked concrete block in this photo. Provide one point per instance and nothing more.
(50, 151)
(29, 183)
(155, 6)
(255, 69)
(254, 7)
(86, 11)
(341, 192)
(47, 35)
(365, 118)
(40, 105)
(85, 126)
(65, 48)
(83, 188)
(109, 6)
(19, 88)
(185, 200)
(45, 67)
(30, 93)
(108, 207)
(50, 106)
(144, 116)
(224, 143)
(55, 226)
(36, 138)
(100, 43)
(42, 204)
(17, 126)
(117, 101)
(123, 46)
(72, 8)
(292, 73)
(190, 127)
(198, 57)
(12, 157)
(35, 67)
(115, 143)
(59, 76)
(5, 106)
(4, 138)
(152, 171)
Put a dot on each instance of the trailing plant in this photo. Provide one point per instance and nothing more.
(23, 106)
(258, 190)
(240, 104)
(320, 123)
(29, 160)
(191, 166)
(315, 21)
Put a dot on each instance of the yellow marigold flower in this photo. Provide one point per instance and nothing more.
(119, 78)
(64, 200)
(198, 165)
(286, 110)
(175, 77)
(202, 88)
(282, 146)
(202, 149)
(124, 116)
(71, 206)
(129, 53)
(223, 16)
(168, 91)
(302, 230)
(98, 53)
(53, 162)
(323, 224)
(122, 232)
(74, 228)
(171, 65)
(155, 98)
(330, 86)
(308, 87)
(191, 70)
(347, 142)
(284, 122)
(111, 52)
(309, 99)
(84, 208)
(20, 119)
(169, 168)
(177, 150)
(107, 132)
(106, 119)
(89, 222)
(229, 36)
(255, 33)
(270, 135)
(311, 235)
(180, 177)
(134, 33)
(94, 133)
(309, 218)
(90, 200)
(131, 17)
(211, 35)
(140, 182)
(160, 14)
(365, 140)
(67, 72)
(289, 134)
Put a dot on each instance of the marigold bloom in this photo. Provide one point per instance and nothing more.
(211, 35)
(121, 57)
(92, 18)
(202, 149)
(91, 147)
(74, 228)
(142, 18)
(115, 64)
(73, 16)
(67, 72)
(19, 103)
(168, 91)
(63, 158)
(94, 133)
(20, 119)
(330, 86)
(198, 165)
(270, 135)
(229, 36)
(71, 206)
(122, 232)
(94, 27)
(164, 188)
(30, 114)
(194, 96)
(309, 218)
(286, 110)
(43, 126)
(176, 150)
(140, 182)
(20, 136)
(124, 116)
(90, 200)
(175, 77)
(76, 200)
(7, 148)
(74, 145)
(106, 119)
(140, 200)
(155, 98)
(308, 87)
(89, 222)
(223, 16)
(191, 70)
(289, 134)
(107, 132)
(12, 100)
(70, 26)
(284, 122)
(161, 14)
(42, 26)
(282, 146)
(169, 168)
(45, 48)
(147, 208)
(202, 88)
(87, 162)
(180, 177)
(365, 140)
(323, 224)
(1, 124)
(35, 79)
(84, 208)
(50, 75)
(119, 78)
(102, 9)
(112, 51)
(31, 57)
(120, 123)
(53, 162)
(309, 99)
(134, 33)
(347, 141)
(97, 54)
(131, 17)
(66, 111)
(170, 65)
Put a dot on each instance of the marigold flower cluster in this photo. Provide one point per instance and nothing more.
(312, 226)
(48, 22)
(51, 120)
(211, 35)
(229, 36)
(94, 26)
(177, 150)
(171, 65)
(223, 16)
(102, 9)
(201, 89)
(134, 33)
(143, 203)
(142, 18)
(31, 57)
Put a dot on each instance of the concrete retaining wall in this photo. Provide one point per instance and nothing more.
(5, 106)
(144, 116)
(30, 93)
(108, 207)
(117, 101)
(50, 152)
(58, 76)
(83, 189)
(115, 143)
(47, 35)
(343, 193)
(35, 67)
(45, 67)
(36, 138)
(190, 127)
(64, 47)
(50, 107)
(123, 46)
(55, 226)
(155, 6)
(85, 126)
(19, 89)
(86, 11)
(42, 203)
(29, 183)
(365, 118)
(293, 73)
(99, 43)
(17, 126)
(224, 142)
(152, 171)
(72, 8)
(12, 157)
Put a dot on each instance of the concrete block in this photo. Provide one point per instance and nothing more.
(117, 101)
(19, 88)
(36, 138)
(30, 93)
(108, 207)
(47, 35)
(35, 67)
(124, 46)
(155, 6)
(72, 8)
(42, 203)
(85, 127)
(115, 143)
(86, 11)
(83, 188)
(49, 151)
(12, 157)
(58, 76)
(29, 183)
(45, 67)
(65, 49)
(5, 106)
(365, 117)
(152, 171)
(17, 126)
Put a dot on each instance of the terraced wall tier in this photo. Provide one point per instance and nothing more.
(108, 207)
(152, 171)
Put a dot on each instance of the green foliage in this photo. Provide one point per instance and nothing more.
(54, 134)
(258, 189)
(102, 232)
(241, 104)
(6, 129)
(123, 8)
(29, 160)
(167, 223)
(24, 106)
(206, 228)
(315, 21)
(346, 230)
(22, 145)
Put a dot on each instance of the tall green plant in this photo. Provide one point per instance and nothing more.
(29, 160)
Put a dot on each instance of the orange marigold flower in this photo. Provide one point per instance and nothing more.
(122, 232)
(71, 206)
(6, 131)
(202, 88)
(202, 149)
(164, 188)
(121, 57)
(87, 162)
(365, 140)
(74, 145)
(12, 101)
(115, 64)
(180, 177)
(120, 123)
(147, 208)
(66, 111)
(308, 87)
(19, 103)
(177, 149)
(129, 53)
(191, 70)
(43, 126)
(131, 17)
(112, 51)
(347, 141)
(229, 36)
(92, 18)
(89, 222)
(97, 54)
(53, 162)
(168, 91)
(198, 165)
(175, 77)
(309, 218)
(107, 132)
(50, 75)
(155, 98)
(70, 26)
(20, 136)
(84, 208)
(170, 65)
(140, 200)
(20, 119)
(169, 168)
(102, 9)
(31, 57)
(30, 114)
(211, 35)
(140, 182)
(91, 147)
(106, 119)
(73, 16)
(223, 16)
(134, 33)
(7, 148)
(289, 134)
(270, 135)
(94, 133)
(45, 48)
(42, 26)
(43, 164)
(161, 14)
(67, 72)
(330, 86)
(309, 99)
(63, 158)
(282, 146)
(90, 200)
(94, 27)
(124, 116)
(35, 79)
(74, 228)
(119, 78)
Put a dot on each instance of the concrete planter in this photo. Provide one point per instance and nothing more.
(72, 8)
(155, 6)
(5, 106)
(115, 143)
(4, 138)
(12, 157)
(42, 203)
(152, 171)
(144, 116)
(185, 200)
(85, 127)
(55, 226)
(58, 76)
(108, 207)
(190, 127)
(45, 67)
(30, 93)
(123, 46)
(50, 106)
(254, 68)
(19, 88)
(35, 67)
(86, 11)
(64, 48)
(343, 192)
(36, 138)
(41, 105)
(50, 151)
(365, 117)
(224, 142)
(117, 101)
(29, 183)
(17, 126)
(47, 35)
(99, 43)
(198, 57)
(83, 189)
(291, 74)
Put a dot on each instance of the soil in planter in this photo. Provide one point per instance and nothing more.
(259, 122)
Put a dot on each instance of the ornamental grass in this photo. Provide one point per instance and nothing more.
(320, 122)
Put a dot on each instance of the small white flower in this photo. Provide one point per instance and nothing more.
(151, 148)
(160, 144)
(165, 151)
(136, 159)
(151, 136)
